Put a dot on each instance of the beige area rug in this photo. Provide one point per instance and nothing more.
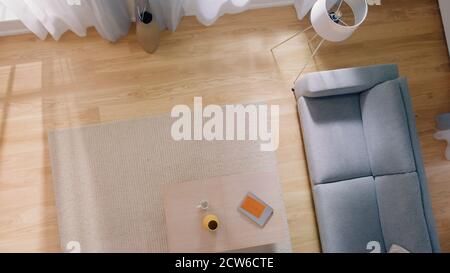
(108, 177)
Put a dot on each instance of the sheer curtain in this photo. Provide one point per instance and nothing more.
(208, 11)
(109, 17)
(170, 12)
(167, 12)
(303, 7)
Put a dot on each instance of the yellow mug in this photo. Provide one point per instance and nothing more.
(211, 222)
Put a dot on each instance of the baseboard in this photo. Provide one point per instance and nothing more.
(271, 4)
(12, 27)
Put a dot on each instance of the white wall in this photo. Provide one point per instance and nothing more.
(9, 24)
(444, 5)
(5, 15)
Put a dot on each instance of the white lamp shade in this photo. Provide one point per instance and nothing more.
(329, 30)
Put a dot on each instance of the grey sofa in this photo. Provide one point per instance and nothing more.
(364, 160)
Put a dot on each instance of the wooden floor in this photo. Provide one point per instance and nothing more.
(47, 84)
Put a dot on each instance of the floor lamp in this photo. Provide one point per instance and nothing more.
(326, 20)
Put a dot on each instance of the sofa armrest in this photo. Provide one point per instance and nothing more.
(344, 81)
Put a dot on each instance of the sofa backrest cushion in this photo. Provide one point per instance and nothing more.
(386, 129)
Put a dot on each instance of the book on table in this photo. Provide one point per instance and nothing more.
(255, 209)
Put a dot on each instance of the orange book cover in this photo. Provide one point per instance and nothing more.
(253, 206)
(255, 209)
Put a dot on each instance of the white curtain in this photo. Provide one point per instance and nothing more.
(208, 11)
(303, 7)
(170, 12)
(167, 12)
(109, 17)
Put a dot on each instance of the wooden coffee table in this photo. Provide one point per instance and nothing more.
(224, 194)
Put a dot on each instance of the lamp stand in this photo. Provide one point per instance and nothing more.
(291, 37)
(313, 51)
(336, 16)
(309, 60)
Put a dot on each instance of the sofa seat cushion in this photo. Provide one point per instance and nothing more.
(334, 138)
(347, 215)
(386, 130)
(401, 213)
